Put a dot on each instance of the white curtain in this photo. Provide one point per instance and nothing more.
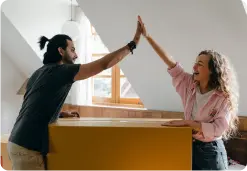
(81, 91)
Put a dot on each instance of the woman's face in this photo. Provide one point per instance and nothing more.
(201, 72)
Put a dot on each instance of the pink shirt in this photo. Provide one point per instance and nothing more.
(213, 115)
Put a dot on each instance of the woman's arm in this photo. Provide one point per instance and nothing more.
(215, 128)
(180, 79)
(206, 130)
(162, 53)
(195, 125)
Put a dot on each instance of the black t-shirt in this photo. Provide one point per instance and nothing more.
(45, 94)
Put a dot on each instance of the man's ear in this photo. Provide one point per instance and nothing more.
(61, 51)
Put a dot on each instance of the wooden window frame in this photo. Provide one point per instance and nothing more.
(115, 89)
(115, 99)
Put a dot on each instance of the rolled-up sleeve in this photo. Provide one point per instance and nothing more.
(176, 70)
(218, 126)
(180, 80)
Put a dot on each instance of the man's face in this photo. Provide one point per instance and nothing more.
(69, 56)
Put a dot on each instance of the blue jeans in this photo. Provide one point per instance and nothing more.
(209, 155)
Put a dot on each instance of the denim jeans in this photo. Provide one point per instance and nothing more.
(209, 155)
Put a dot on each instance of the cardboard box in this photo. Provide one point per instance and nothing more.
(118, 144)
(5, 163)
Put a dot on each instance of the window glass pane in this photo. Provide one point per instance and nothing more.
(93, 30)
(102, 87)
(105, 72)
(97, 45)
(245, 5)
(126, 90)
(121, 72)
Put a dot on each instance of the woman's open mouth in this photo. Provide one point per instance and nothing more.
(195, 73)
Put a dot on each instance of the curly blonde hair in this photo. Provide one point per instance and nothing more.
(223, 78)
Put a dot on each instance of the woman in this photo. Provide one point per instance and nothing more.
(210, 100)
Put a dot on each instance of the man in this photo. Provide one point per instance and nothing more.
(45, 94)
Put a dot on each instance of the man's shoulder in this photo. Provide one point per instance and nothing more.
(56, 69)
(43, 70)
(46, 68)
(58, 66)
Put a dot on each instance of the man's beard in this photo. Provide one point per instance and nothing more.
(67, 60)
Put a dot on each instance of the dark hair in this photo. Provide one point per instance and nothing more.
(52, 54)
(223, 78)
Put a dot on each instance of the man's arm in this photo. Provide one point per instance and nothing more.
(93, 68)
(67, 114)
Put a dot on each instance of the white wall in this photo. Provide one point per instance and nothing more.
(184, 28)
(11, 81)
(17, 48)
(35, 18)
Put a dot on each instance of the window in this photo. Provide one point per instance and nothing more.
(110, 86)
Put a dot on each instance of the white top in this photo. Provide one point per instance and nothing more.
(201, 100)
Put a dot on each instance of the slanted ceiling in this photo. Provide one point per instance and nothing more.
(35, 18)
(17, 48)
(23, 22)
(183, 28)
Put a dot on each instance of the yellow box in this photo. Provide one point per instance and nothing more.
(118, 144)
